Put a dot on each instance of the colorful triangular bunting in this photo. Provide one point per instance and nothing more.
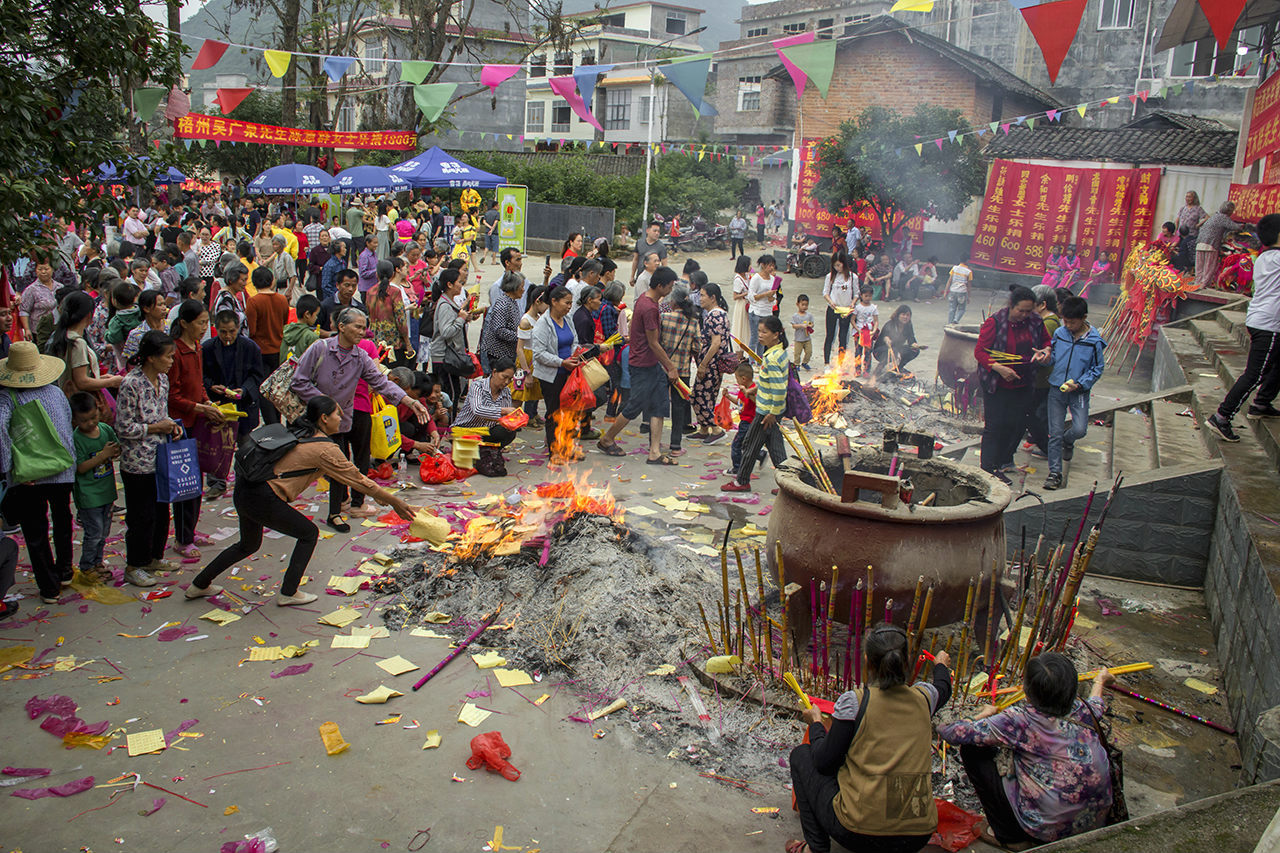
(1222, 15)
(798, 77)
(432, 98)
(1054, 26)
(145, 101)
(585, 76)
(336, 66)
(816, 59)
(494, 76)
(690, 77)
(278, 61)
(567, 88)
(415, 71)
(210, 52)
(228, 99)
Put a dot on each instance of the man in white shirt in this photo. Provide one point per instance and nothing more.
(1262, 320)
(135, 231)
(958, 290)
(852, 239)
(761, 296)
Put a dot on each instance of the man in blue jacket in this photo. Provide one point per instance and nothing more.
(1077, 364)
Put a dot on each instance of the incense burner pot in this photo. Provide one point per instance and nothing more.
(953, 539)
(955, 357)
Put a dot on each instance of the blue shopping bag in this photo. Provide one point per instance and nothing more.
(177, 469)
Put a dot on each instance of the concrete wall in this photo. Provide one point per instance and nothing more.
(1242, 602)
(1160, 527)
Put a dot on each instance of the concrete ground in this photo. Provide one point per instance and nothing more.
(254, 759)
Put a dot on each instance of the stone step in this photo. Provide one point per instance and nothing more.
(1210, 334)
(1233, 322)
(1178, 438)
(1132, 444)
(1258, 443)
(1230, 364)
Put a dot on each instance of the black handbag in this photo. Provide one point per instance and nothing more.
(1119, 811)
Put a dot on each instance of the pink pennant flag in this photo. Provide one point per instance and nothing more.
(1052, 115)
(1143, 94)
(1005, 128)
(567, 88)
(797, 76)
(938, 142)
(1133, 99)
(494, 76)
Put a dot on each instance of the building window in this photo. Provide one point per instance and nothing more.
(535, 113)
(826, 28)
(347, 118)
(1116, 15)
(619, 20)
(1203, 59)
(373, 57)
(588, 57)
(749, 94)
(644, 109)
(792, 29)
(538, 65)
(561, 115)
(564, 64)
(617, 109)
(757, 32)
(677, 23)
(851, 21)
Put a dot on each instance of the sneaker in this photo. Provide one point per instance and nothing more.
(214, 492)
(644, 428)
(1040, 454)
(161, 566)
(806, 366)
(689, 429)
(1001, 477)
(194, 592)
(589, 434)
(1053, 481)
(283, 600)
(1068, 450)
(1257, 413)
(10, 608)
(1221, 427)
(139, 577)
(49, 599)
(714, 437)
(9, 528)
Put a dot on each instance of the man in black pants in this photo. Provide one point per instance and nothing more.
(1262, 319)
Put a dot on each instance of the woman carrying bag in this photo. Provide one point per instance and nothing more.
(715, 348)
(449, 357)
(553, 344)
(143, 425)
(266, 504)
(39, 481)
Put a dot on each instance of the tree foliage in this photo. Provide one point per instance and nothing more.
(67, 68)
(246, 161)
(872, 161)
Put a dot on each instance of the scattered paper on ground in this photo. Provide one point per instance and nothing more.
(145, 743)
(473, 716)
(397, 665)
(488, 660)
(340, 618)
(378, 696)
(512, 677)
(437, 617)
(222, 617)
(354, 641)
(373, 632)
(1202, 686)
(261, 653)
(428, 633)
(347, 586)
(665, 669)
(433, 740)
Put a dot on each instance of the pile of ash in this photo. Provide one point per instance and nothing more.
(607, 609)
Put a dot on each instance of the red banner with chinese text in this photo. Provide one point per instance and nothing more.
(196, 126)
(813, 218)
(1264, 121)
(1030, 208)
(1254, 201)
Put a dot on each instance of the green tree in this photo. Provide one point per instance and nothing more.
(683, 184)
(872, 162)
(67, 68)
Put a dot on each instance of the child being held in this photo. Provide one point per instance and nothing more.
(802, 324)
(95, 484)
(866, 322)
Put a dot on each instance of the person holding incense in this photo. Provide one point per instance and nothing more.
(865, 783)
(1061, 782)
(266, 504)
(1011, 343)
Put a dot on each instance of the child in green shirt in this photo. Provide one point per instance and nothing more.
(95, 485)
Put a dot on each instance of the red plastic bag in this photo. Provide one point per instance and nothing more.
(577, 395)
(724, 413)
(490, 751)
(957, 828)
(477, 371)
(437, 468)
(515, 420)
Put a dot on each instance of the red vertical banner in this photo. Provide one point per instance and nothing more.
(988, 234)
(1047, 197)
(1062, 224)
(1115, 213)
(1142, 212)
(1011, 247)
(1093, 193)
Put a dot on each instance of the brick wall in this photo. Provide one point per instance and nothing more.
(777, 103)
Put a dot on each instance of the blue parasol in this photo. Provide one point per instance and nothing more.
(290, 179)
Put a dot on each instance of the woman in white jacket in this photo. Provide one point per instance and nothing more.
(553, 344)
(449, 336)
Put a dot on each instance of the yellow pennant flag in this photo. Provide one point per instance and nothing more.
(913, 6)
(1114, 100)
(1080, 109)
(701, 153)
(920, 148)
(278, 61)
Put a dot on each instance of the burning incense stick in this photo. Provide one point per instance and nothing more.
(484, 624)
(707, 625)
(1172, 709)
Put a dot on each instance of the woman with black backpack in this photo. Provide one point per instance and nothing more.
(265, 503)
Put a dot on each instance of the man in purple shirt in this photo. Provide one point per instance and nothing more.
(651, 371)
(332, 367)
(367, 266)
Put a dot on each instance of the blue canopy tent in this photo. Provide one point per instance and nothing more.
(110, 173)
(370, 179)
(435, 168)
(291, 179)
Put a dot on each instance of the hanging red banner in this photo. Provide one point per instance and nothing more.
(196, 126)
(1142, 212)
(815, 219)
(1264, 121)
(1254, 201)
(987, 237)
(1011, 248)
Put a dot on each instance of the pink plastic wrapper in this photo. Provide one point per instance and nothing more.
(26, 771)
(59, 706)
(79, 786)
(168, 635)
(296, 669)
(62, 726)
(169, 737)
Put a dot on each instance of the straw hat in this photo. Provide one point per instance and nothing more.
(27, 368)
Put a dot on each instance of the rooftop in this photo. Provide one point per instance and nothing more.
(1182, 146)
(613, 9)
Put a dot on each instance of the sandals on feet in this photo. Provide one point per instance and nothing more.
(664, 459)
(610, 449)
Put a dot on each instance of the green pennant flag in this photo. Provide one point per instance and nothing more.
(415, 71)
(433, 98)
(1031, 124)
(817, 60)
(146, 100)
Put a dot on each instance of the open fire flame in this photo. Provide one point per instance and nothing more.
(564, 444)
